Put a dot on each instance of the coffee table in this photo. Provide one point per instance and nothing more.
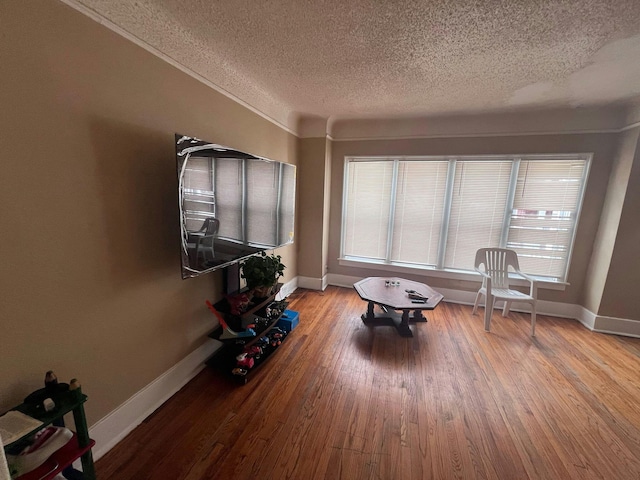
(390, 294)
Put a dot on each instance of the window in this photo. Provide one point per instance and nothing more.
(228, 186)
(435, 212)
(198, 196)
(253, 200)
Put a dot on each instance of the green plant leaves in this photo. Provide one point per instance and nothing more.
(262, 270)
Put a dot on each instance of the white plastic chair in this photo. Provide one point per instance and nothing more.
(202, 242)
(493, 264)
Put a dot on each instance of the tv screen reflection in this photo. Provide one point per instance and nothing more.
(232, 204)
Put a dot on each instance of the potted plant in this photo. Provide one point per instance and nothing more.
(262, 272)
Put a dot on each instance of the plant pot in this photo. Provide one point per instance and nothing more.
(262, 292)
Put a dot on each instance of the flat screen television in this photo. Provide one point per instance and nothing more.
(232, 204)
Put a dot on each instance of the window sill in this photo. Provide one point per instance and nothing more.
(449, 274)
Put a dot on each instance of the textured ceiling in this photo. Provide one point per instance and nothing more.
(358, 58)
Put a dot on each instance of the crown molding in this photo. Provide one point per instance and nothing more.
(154, 51)
(369, 129)
(629, 127)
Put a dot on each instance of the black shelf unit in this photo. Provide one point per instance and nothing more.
(225, 356)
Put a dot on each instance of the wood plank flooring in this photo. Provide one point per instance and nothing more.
(341, 400)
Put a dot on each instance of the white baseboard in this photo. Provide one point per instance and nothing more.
(342, 280)
(597, 323)
(611, 325)
(586, 318)
(617, 326)
(287, 288)
(313, 283)
(108, 431)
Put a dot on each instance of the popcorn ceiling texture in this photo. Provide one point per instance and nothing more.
(357, 58)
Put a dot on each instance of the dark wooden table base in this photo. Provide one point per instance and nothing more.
(394, 319)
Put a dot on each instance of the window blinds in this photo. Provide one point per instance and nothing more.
(198, 198)
(262, 202)
(437, 212)
(478, 204)
(286, 204)
(544, 213)
(419, 204)
(228, 184)
(367, 207)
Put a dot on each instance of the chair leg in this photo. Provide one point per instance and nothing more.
(475, 305)
(533, 319)
(507, 307)
(488, 310)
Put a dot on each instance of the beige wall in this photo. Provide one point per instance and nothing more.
(327, 207)
(602, 145)
(620, 298)
(605, 239)
(312, 155)
(90, 280)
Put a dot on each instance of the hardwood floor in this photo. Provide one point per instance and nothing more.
(344, 401)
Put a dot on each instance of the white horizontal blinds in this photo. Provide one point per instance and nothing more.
(287, 202)
(544, 214)
(442, 211)
(367, 209)
(228, 185)
(198, 199)
(262, 202)
(478, 205)
(420, 195)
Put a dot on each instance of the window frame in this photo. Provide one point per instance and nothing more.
(439, 268)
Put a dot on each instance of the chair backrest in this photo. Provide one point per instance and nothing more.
(496, 263)
(211, 226)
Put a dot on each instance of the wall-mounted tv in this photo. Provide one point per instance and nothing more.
(232, 204)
